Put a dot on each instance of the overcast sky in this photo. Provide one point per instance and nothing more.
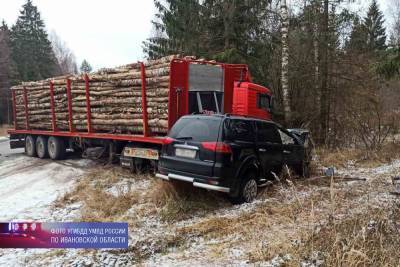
(105, 32)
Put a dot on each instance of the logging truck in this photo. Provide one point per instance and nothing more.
(125, 113)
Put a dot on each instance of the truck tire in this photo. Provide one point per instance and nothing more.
(56, 148)
(248, 189)
(30, 146)
(41, 147)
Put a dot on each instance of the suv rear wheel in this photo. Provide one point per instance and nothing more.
(248, 189)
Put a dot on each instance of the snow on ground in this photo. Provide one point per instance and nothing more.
(126, 185)
(368, 173)
(29, 186)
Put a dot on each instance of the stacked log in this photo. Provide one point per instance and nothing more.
(115, 96)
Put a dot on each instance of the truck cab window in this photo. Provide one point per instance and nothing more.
(193, 106)
(263, 101)
(205, 102)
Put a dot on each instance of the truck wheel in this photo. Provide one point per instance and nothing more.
(41, 147)
(56, 147)
(248, 190)
(30, 146)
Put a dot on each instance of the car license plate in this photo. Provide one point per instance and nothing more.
(144, 153)
(185, 153)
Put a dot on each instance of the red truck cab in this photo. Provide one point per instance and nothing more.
(251, 100)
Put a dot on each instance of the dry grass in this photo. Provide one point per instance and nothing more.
(147, 248)
(331, 225)
(98, 204)
(359, 240)
(326, 220)
(362, 157)
(179, 200)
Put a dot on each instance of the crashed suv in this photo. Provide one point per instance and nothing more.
(231, 154)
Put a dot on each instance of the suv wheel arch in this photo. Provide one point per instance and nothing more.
(248, 189)
(248, 165)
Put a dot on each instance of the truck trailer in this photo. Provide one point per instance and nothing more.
(194, 87)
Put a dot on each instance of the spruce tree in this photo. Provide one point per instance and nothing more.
(85, 67)
(7, 74)
(231, 31)
(358, 37)
(178, 29)
(30, 47)
(374, 29)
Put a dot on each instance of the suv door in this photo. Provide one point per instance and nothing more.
(293, 152)
(240, 134)
(269, 148)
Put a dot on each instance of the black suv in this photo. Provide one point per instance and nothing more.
(231, 154)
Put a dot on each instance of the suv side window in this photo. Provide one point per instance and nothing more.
(286, 139)
(267, 132)
(240, 130)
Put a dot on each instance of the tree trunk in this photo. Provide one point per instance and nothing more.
(285, 62)
(229, 10)
(316, 56)
(324, 75)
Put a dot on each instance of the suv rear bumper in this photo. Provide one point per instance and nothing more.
(193, 180)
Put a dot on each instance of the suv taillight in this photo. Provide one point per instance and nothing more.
(218, 147)
(168, 140)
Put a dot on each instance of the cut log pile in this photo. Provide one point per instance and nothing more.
(115, 100)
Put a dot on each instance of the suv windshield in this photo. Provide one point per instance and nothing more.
(198, 129)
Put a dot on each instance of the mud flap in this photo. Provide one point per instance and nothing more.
(17, 144)
(17, 141)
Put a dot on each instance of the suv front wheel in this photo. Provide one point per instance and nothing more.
(248, 189)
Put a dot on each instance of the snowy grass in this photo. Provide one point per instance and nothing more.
(366, 158)
(101, 200)
(294, 222)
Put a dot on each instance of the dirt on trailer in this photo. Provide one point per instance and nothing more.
(350, 219)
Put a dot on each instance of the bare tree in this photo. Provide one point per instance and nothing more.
(316, 51)
(65, 57)
(324, 111)
(395, 25)
(285, 61)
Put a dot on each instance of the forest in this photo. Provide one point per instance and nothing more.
(333, 68)
(29, 53)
